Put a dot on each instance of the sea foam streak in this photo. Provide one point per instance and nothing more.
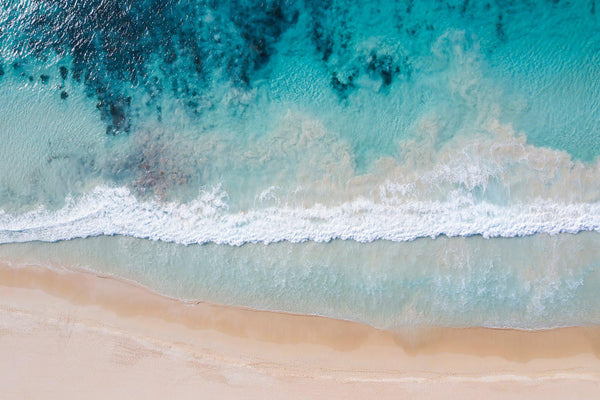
(116, 211)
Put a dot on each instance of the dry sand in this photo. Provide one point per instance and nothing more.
(71, 334)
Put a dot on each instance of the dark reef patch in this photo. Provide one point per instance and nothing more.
(332, 34)
(136, 54)
(341, 86)
(383, 66)
(500, 29)
(464, 7)
(63, 72)
(115, 46)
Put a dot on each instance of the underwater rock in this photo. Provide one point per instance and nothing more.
(118, 114)
(322, 41)
(114, 45)
(500, 29)
(114, 111)
(63, 72)
(463, 7)
(382, 65)
(64, 95)
(341, 87)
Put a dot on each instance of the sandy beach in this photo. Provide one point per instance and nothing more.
(71, 334)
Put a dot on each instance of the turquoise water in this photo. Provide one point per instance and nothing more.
(397, 163)
(537, 281)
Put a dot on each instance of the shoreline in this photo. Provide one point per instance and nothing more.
(314, 356)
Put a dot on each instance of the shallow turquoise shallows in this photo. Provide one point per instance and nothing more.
(397, 163)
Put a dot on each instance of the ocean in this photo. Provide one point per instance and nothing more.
(398, 163)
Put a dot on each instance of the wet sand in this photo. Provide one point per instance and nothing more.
(66, 333)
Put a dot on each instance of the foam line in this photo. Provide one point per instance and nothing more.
(116, 211)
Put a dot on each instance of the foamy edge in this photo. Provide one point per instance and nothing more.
(116, 211)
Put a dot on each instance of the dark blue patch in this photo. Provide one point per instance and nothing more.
(112, 44)
(63, 72)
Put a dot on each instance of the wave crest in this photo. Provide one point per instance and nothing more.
(116, 211)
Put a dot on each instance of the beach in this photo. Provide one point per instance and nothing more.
(299, 199)
(68, 333)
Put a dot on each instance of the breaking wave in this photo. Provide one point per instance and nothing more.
(116, 211)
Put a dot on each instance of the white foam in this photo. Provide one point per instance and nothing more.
(116, 211)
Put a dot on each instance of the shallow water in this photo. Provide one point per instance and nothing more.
(538, 281)
(398, 163)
